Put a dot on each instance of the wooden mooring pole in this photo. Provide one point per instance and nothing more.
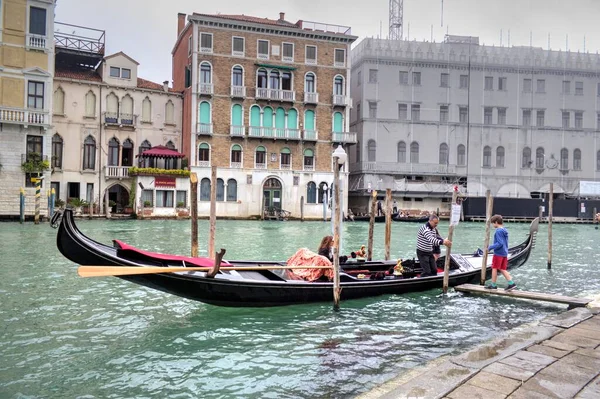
(550, 212)
(372, 225)
(213, 212)
(486, 242)
(22, 206)
(540, 213)
(194, 212)
(336, 235)
(449, 249)
(302, 209)
(388, 222)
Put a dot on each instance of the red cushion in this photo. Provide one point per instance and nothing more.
(202, 262)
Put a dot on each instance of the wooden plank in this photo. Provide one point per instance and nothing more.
(540, 296)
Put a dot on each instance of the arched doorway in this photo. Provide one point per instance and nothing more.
(272, 194)
(119, 196)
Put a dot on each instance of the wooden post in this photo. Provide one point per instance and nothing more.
(302, 209)
(550, 211)
(213, 212)
(193, 212)
(106, 205)
(336, 235)
(22, 206)
(52, 203)
(388, 222)
(486, 242)
(372, 225)
(448, 249)
(38, 186)
(91, 204)
(540, 213)
(594, 218)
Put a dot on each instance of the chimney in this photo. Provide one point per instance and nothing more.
(166, 86)
(282, 16)
(180, 23)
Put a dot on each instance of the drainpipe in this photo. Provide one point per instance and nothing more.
(100, 155)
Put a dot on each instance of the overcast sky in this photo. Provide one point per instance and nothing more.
(146, 29)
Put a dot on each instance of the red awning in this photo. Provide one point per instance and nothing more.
(160, 151)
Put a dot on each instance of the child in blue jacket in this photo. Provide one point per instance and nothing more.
(500, 258)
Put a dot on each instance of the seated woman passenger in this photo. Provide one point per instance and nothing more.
(326, 248)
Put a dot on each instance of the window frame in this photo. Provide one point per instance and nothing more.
(57, 147)
(336, 63)
(283, 56)
(89, 154)
(206, 50)
(237, 53)
(307, 60)
(36, 96)
(29, 20)
(114, 69)
(263, 56)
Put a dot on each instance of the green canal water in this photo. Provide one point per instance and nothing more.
(62, 336)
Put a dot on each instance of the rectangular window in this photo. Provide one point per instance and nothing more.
(403, 112)
(416, 78)
(372, 75)
(579, 120)
(502, 84)
(35, 95)
(311, 55)
(37, 21)
(358, 114)
(372, 109)
(288, 52)
(540, 118)
(358, 78)
(73, 190)
(462, 114)
(526, 85)
(464, 81)
(340, 57)
(541, 86)
(164, 198)
(126, 73)
(34, 147)
(238, 46)
(579, 88)
(566, 87)
(443, 113)
(190, 45)
(487, 115)
(444, 78)
(526, 117)
(286, 160)
(502, 116)
(415, 112)
(566, 119)
(263, 49)
(188, 77)
(148, 198)
(404, 78)
(115, 72)
(489, 83)
(206, 42)
(181, 199)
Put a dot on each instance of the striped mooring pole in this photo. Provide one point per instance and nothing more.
(22, 206)
(38, 186)
(52, 202)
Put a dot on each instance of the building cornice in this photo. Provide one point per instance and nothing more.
(105, 85)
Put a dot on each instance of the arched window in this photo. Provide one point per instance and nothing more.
(414, 152)
(112, 108)
(338, 122)
(57, 151)
(237, 76)
(539, 158)
(205, 116)
(274, 80)
(232, 190)
(260, 158)
(323, 193)
(267, 117)
(237, 116)
(309, 83)
(577, 159)
(205, 189)
(338, 85)
(261, 79)
(487, 156)
(443, 154)
(236, 156)
(146, 110)
(126, 111)
(280, 122)
(461, 155)
(286, 158)
(89, 153)
(59, 102)
(255, 123)
(204, 154)
(170, 113)
(526, 163)
(371, 151)
(309, 159)
(311, 193)
(127, 153)
(171, 146)
(500, 157)
(90, 104)
(145, 146)
(205, 73)
(220, 190)
(113, 152)
(292, 121)
(286, 81)
(401, 152)
(564, 159)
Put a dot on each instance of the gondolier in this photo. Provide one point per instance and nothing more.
(427, 239)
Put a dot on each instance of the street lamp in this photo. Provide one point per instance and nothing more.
(339, 158)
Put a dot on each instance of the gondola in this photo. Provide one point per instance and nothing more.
(395, 217)
(267, 287)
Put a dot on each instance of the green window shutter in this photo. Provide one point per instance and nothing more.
(338, 122)
(268, 117)
(204, 112)
(236, 115)
(309, 120)
(286, 151)
(280, 118)
(308, 152)
(292, 121)
(255, 116)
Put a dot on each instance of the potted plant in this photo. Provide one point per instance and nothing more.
(111, 206)
(181, 204)
(58, 203)
(147, 204)
(35, 163)
(77, 203)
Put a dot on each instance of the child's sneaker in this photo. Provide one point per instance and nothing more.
(510, 287)
(491, 287)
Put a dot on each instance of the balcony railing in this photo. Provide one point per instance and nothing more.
(238, 91)
(285, 166)
(404, 167)
(205, 89)
(79, 38)
(204, 129)
(260, 166)
(310, 135)
(204, 164)
(309, 168)
(127, 119)
(236, 165)
(25, 117)
(111, 118)
(36, 42)
(341, 100)
(274, 133)
(237, 131)
(311, 98)
(117, 172)
(343, 137)
(275, 94)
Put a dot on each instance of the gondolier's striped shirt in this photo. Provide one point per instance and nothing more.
(426, 239)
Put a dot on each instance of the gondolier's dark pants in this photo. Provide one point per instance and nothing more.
(427, 263)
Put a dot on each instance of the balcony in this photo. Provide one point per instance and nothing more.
(259, 165)
(25, 117)
(78, 45)
(205, 89)
(120, 120)
(36, 42)
(237, 131)
(127, 120)
(403, 168)
(236, 165)
(275, 94)
(311, 98)
(285, 166)
(309, 135)
(111, 118)
(238, 91)
(205, 129)
(204, 164)
(343, 137)
(341, 100)
(309, 168)
(117, 172)
(274, 133)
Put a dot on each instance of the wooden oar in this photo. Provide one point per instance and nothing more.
(102, 271)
